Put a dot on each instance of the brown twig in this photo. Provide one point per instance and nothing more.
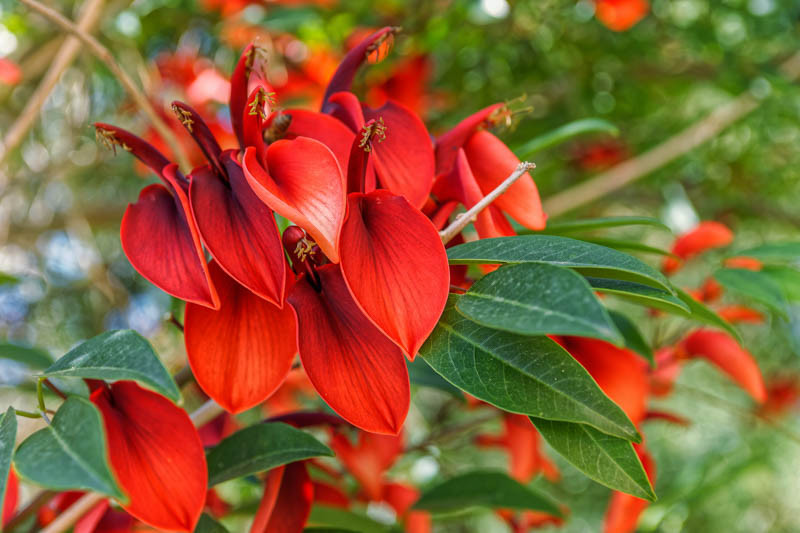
(679, 144)
(32, 508)
(103, 54)
(463, 220)
(89, 15)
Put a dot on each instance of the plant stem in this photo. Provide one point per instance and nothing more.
(206, 413)
(27, 414)
(102, 53)
(464, 219)
(35, 504)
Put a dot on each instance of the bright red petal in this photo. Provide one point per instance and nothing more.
(241, 353)
(156, 454)
(286, 504)
(251, 63)
(324, 128)
(401, 497)
(722, 350)
(447, 145)
(492, 162)
(739, 313)
(369, 459)
(705, 236)
(239, 230)
(404, 159)
(356, 369)
(396, 267)
(621, 15)
(160, 239)
(302, 182)
(9, 506)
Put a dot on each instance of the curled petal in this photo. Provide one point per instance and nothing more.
(251, 62)
(112, 136)
(156, 455)
(346, 107)
(160, 239)
(492, 162)
(722, 350)
(324, 128)
(302, 182)
(369, 459)
(356, 369)
(395, 266)
(447, 145)
(201, 133)
(241, 353)
(286, 504)
(239, 231)
(404, 160)
(705, 236)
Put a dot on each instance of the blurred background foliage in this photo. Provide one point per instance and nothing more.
(62, 196)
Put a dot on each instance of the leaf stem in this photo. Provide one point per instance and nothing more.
(27, 414)
(464, 219)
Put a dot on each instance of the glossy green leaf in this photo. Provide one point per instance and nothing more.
(8, 437)
(640, 294)
(33, 357)
(484, 489)
(520, 374)
(206, 524)
(633, 337)
(117, 355)
(774, 252)
(565, 133)
(420, 373)
(624, 245)
(538, 299)
(755, 285)
(560, 227)
(700, 313)
(342, 519)
(258, 448)
(787, 278)
(584, 257)
(70, 453)
(608, 460)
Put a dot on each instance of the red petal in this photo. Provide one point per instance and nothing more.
(460, 185)
(447, 145)
(404, 159)
(356, 369)
(250, 62)
(9, 506)
(705, 236)
(160, 239)
(620, 15)
(303, 182)
(748, 263)
(200, 132)
(156, 454)
(143, 150)
(395, 266)
(286, 504)
(241, 353)
(346, 108)
(329, 495)
(724, 352)
(343, 77)
(739, 313)
(239, 230)
(324, 128)
(492, 162)
(523, 447)
(369, 459)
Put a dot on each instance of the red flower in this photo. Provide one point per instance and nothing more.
(369, 459)
(621, 15)
(706, 236)
(10, 73)
(154, 451)
(9, 503)
(287, 499)
(748, 263)
(740, 313)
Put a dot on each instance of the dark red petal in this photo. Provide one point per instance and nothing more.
(343, 77)
(491, 162)
(329, 495)
(303, 182)
(404, 159)
(145, 152)
(200, 132)
(722, 350)
(156, 455)
(395, 266)
(447, 145)
(160, 239)
(369, 459)
(255, 113)
(356, 369)
(241, 353)
(239, 230)
(324, 128)
(286, 504)
(9, 506)
(250, 62)
(460, 185)
(346, 107)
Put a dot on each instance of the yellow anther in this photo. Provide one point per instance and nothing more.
(184, 116)
(372, 130)
(109, 139)
(304, 248)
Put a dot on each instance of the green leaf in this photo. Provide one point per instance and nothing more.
(8, 437)
(584, 257)
(420, 373)
(258, 448)
(117, 355)
(624, 245)
(608, 460)
(633, 337)
(565, 133)
(538, 299)
(70, 453)
(701, 313)
(33, 357)
(788, 279)
(640, 294)
(520, 374)
(328, 530)
(7, 279)
(560, 227)
(484, 489)
(774, 251)
(206, 524)
(342, 519)
(755, 285)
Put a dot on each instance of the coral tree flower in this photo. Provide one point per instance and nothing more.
(621, 15)
(705, 236)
